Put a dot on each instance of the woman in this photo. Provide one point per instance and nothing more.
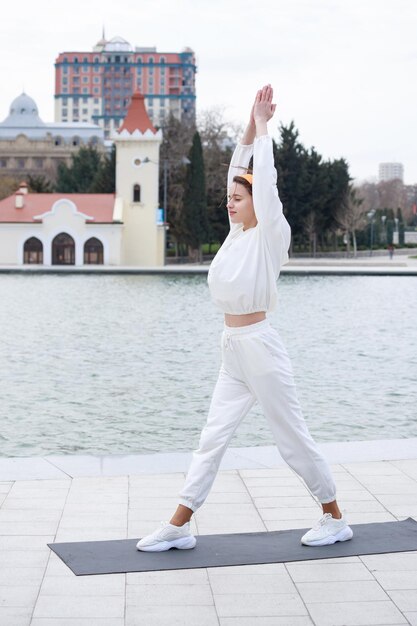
(255, 365)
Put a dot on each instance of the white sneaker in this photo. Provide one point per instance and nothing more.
(327, 530)
(166, 537)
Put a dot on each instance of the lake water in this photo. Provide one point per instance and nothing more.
(127, 364)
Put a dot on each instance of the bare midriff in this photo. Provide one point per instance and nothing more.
(244, 320)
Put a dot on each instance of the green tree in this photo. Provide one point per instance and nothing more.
(401, 227)
(105, 179)
(40, 184)
(291, 165)
(79, 176)
(194, 215)
(177, 139)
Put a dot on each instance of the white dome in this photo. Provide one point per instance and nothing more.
(23, 112)
(118, 44)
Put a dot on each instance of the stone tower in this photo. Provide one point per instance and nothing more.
(137, 174)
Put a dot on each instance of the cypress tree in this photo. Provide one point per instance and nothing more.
(194, 215)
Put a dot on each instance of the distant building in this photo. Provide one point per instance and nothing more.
(390, 171)
(125, 228)
(97, 86)
(28, 145)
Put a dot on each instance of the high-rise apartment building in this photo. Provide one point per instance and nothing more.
(390, 171)
(97, 86)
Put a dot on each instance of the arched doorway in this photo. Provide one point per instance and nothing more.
(33, 251)
(63, 250)
(93, 251)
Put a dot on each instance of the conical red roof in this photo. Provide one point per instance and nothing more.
(136, 116)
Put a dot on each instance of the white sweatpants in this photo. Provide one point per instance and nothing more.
(255, 367)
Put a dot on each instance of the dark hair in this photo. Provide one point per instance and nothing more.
(242, 181)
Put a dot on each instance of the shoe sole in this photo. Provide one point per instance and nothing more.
(184, 543)
(343, 535)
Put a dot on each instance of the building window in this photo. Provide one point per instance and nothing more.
(85, 100)
(58, 141)
(33, 251)
(75, 60)
(139, 60)
(63, 250)
(96, 59)
(136, 193)
(96, 90)
(75, 112)
(64, 102)
(3, 162)
(85, 89)
(75, 141)
(21, 163)
(150, 60)
(85, 79)
(85, 111)
(96, 79)
(93, 252)
(162, 60)
(38, 162)
(64, 80)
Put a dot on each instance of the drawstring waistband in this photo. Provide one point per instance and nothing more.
(235, 331)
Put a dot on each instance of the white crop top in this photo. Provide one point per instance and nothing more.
(242, 276)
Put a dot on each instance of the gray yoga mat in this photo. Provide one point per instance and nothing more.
(280, 546)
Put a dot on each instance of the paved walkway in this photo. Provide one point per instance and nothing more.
(90, 498)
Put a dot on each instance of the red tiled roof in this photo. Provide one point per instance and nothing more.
(97, 205)
(136, 116)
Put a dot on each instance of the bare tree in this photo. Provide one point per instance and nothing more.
(351, 216)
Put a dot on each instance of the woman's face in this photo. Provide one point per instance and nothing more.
(240, 204)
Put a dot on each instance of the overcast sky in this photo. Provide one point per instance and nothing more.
(345, 71)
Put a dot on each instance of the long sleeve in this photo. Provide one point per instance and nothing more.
(266, 201)
(238, 164)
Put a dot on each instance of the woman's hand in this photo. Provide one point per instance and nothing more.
(263, 109)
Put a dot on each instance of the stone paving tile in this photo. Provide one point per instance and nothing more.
(259, 569)
(39, 486)
(104, 584)
(56, 621)
(412, 617)
(28, 528)
(23, 558)
(171, 616)
(169, 577)
(379, 468)
(14, 616)
(290, 513)
(266, 604)
(323, 571)
(25, 542)
(80, 606)
(21, 596)
(405, 599)
(39, 504)
(29, 515)
(252, 583)
(342, 591)
(396, 580)
(173, 595)
(399, 561)
(295, 620)
(355, 614)
(283, 490)
(89, 534)
(259, 473)
(15, 576)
